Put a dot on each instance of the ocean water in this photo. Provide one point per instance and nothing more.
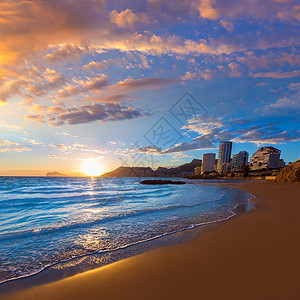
(60, 223)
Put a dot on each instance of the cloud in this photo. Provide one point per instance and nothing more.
(181, 155)
(109, 99)
(285, 106)
(278, 75)
(70, 29)
(238, 10)
(206, 74)
(77, 150)
(8, 146)
(133, 84)
(32, 141)
(11, 127)
(100, 83)
(212, 130)
(207, 9)
(58, 116)
(262, 136)
(56, 157)
(67, 53)
(148, 149)
(29, 26)
(288, 15)
(189, 76)
(30, 82)
(227, 25)
(52, 81)
(93, 84)
(127, 18)
(99, 66)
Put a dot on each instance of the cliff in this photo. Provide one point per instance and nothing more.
(290, 173)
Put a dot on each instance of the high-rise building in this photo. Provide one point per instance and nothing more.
(208, 162)
(224, 155)
(239, 160)
(265, 157)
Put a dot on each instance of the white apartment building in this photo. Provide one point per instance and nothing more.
(265, 157)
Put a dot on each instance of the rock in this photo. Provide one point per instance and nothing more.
(55, 174)
(161, 182)
(290, 173)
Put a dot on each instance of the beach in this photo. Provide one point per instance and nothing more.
(251, 256)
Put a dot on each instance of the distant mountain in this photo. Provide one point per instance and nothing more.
(189, 167)
(159, 172)
(131, 172)
(55, 174)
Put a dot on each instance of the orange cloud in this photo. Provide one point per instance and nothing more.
(8, 146)
(127, 18)
(207, 10)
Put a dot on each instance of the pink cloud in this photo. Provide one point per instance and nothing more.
(278, 75)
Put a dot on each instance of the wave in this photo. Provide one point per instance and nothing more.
(132, 244)
(80, 223)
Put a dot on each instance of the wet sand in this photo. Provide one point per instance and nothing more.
(252, 256)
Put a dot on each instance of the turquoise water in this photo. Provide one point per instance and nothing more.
(59, 221)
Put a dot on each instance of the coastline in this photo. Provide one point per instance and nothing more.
(250, 256)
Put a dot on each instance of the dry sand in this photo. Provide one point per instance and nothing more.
(252, 256)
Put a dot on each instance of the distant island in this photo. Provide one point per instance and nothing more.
(55, 174)
(182, 170)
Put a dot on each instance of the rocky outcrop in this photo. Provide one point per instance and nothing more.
(55, 174)
(161, 182)
(290, 173)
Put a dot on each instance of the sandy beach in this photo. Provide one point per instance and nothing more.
(251, 256)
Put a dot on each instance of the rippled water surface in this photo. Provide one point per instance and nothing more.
(47, 220)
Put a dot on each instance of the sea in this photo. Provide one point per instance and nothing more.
(67, 225)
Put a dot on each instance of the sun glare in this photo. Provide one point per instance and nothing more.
(92, 167)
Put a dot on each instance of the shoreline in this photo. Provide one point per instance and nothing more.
(232, 256)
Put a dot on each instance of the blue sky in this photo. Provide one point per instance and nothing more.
(90, 80)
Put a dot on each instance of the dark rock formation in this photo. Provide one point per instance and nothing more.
(161, 182)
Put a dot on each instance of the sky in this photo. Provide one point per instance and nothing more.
(145, 83)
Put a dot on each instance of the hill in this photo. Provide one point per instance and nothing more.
(159, 172)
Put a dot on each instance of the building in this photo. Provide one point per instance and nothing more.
(265, 157)
(224, 155)
(226, 167)
(197, 170)
(216, 164)
(281, 163)
(208, 162)
(239, 160)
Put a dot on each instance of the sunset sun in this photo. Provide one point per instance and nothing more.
(92, 167)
